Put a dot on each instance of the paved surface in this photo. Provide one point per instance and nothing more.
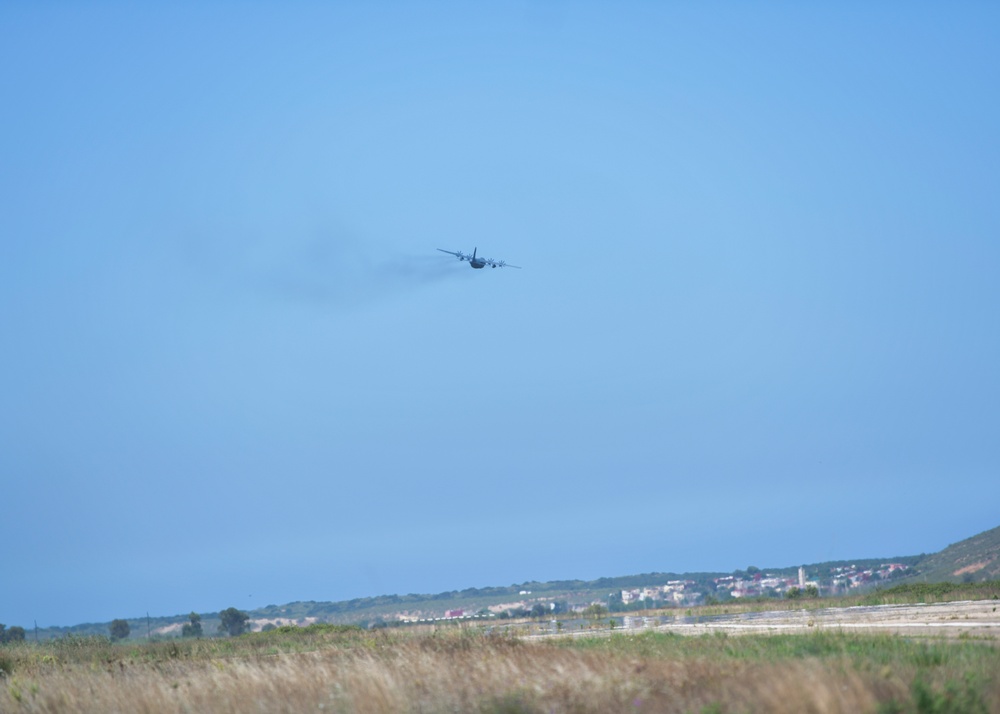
(978, 618)
(972, 618)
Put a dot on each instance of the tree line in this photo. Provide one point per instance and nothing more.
(233, 622)
(11, 634)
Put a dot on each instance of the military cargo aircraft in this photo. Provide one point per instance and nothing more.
(478, 263)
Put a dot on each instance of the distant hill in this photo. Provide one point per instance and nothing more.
(974, 559)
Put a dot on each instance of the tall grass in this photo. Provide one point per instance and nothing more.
(467, 671)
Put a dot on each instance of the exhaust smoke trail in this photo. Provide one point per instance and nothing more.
(344, 273)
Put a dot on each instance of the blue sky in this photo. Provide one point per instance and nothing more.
(757, 321)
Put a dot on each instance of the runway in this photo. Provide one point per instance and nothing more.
(973, 618)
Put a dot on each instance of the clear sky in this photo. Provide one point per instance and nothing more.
(758, 321)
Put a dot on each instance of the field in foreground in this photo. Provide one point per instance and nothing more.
(347, 670)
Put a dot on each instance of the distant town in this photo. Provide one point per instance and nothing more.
(557, 600)
(843, 579)
(561, 602)
(682, 593)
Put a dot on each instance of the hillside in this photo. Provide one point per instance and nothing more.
(974, 559)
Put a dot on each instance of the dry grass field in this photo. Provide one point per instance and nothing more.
(342, 670)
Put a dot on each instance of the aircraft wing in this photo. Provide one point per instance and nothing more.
(501, 264)
(460, 255)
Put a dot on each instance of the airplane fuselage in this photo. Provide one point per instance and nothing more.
(477, 263)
